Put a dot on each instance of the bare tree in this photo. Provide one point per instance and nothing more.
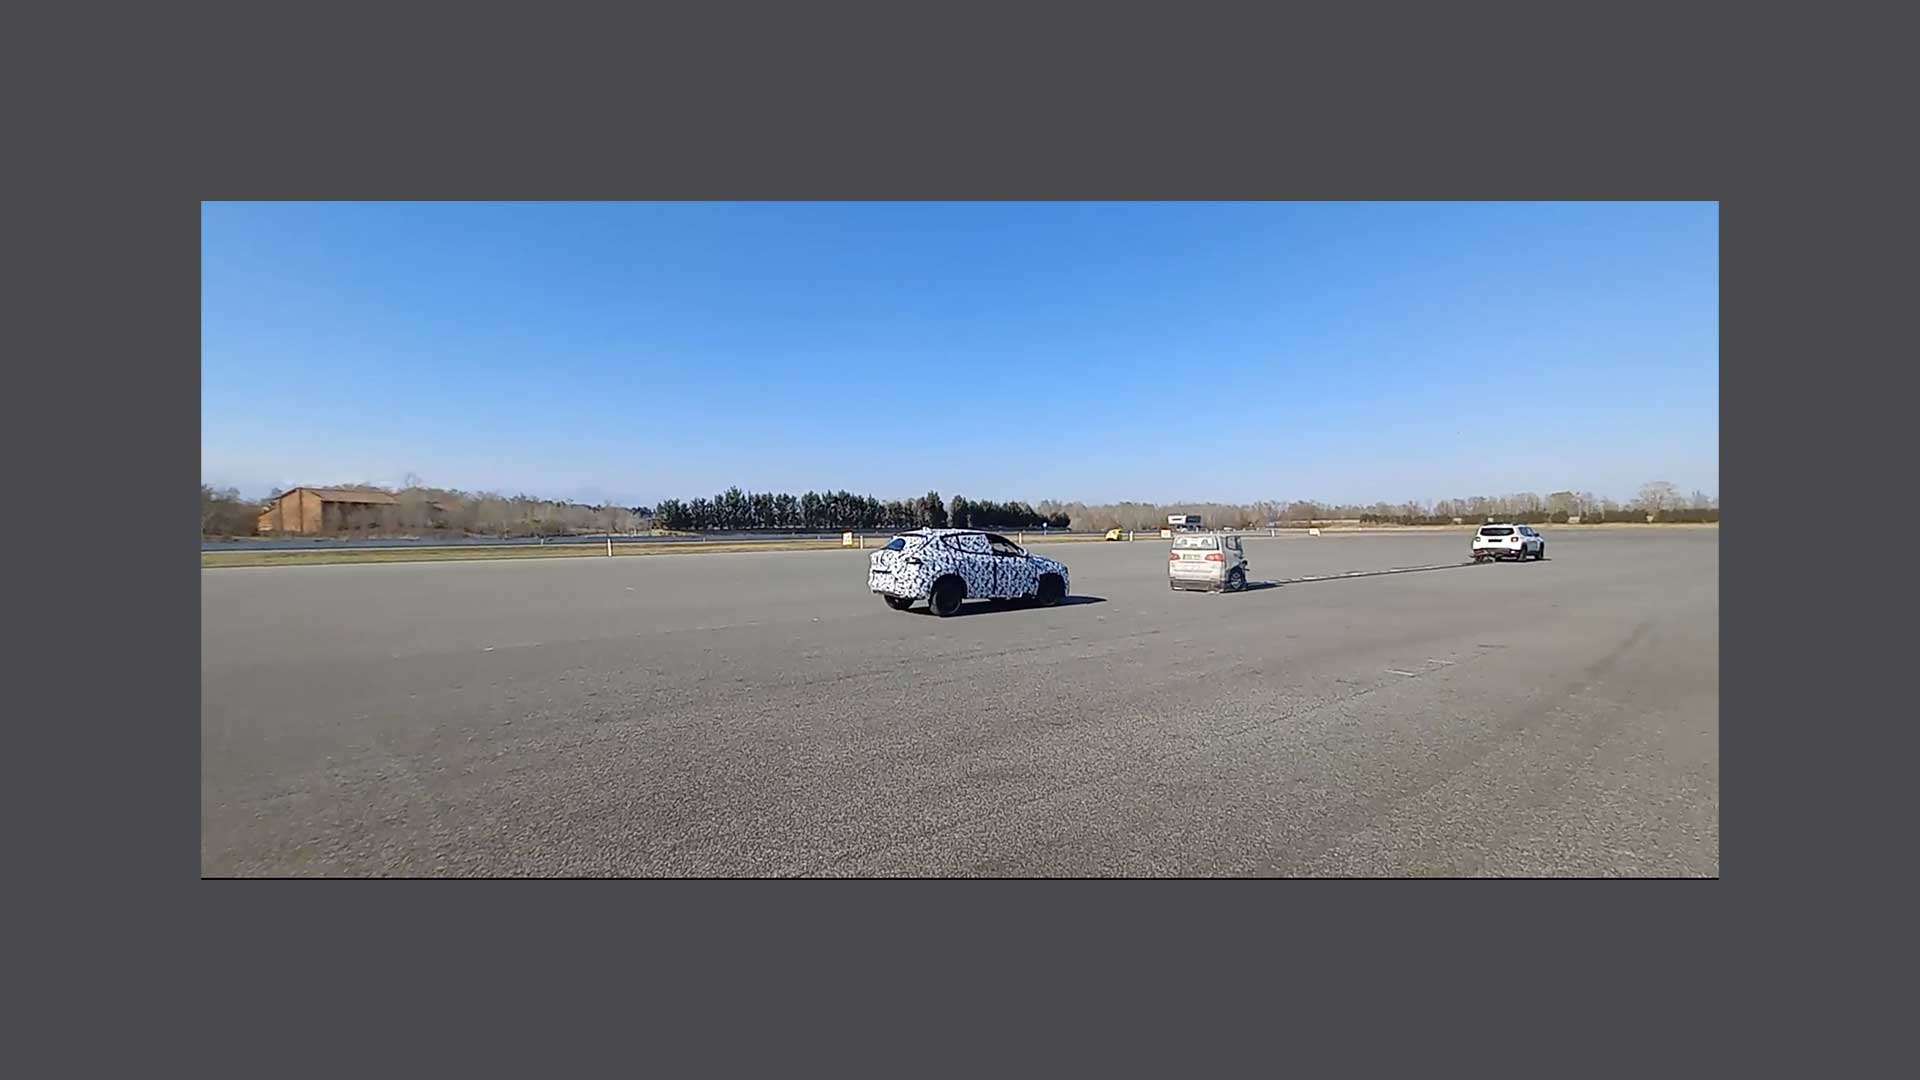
(224, 513)
(1658, 495)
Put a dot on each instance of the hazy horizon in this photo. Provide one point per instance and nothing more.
(1230, 353)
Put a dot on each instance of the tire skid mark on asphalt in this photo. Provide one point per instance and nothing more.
(1364, 573)
(701, 687)
(1451, 770)
(1203, 745)
(697, 705)
(699, 720)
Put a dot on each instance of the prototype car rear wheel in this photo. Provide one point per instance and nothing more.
(898, 603)
(946, 595)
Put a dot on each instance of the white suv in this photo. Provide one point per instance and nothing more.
(1508, 542)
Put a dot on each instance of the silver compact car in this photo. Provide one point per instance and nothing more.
(1207, 562)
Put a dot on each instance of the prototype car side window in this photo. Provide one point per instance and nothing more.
(1004, 546)
(971, 543)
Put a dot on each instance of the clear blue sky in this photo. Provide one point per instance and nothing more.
(1093, 351)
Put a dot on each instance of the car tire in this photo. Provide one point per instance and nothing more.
(945, 596)
(898, 603)
(1236, 580)
(1052, 590)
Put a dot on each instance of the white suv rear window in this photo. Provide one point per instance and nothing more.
(1200, 543)
(1496, 531)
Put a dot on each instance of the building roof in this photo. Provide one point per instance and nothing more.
(342, 495)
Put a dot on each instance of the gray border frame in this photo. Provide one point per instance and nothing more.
(149, 112)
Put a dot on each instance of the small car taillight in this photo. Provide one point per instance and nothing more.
(1214, 556)
(1173, 556)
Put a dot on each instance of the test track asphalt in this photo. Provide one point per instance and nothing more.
(763, 714)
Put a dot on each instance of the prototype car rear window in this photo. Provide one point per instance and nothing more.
(1502, 531)
(1201, 543)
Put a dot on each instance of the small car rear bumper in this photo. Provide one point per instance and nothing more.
(1504, 551)
(1196, 582)
(893, 584)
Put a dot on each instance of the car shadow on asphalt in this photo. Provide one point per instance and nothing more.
(985, 607)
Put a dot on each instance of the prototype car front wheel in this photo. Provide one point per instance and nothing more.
(1052, 590)
(898, 603)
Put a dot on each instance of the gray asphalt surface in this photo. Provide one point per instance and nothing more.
(762, 714)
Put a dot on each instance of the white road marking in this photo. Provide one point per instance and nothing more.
(1408, 674)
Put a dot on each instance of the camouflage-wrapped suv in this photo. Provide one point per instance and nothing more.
(946, 566)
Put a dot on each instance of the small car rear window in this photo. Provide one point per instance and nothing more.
(1498, 530)
(1202, 543)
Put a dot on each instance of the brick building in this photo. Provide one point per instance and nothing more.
(309, 511)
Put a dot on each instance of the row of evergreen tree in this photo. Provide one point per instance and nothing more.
(737, 510)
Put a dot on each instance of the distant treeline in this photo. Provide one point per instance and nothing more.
(737, 510)
(1658, 498)
(1677, 515)
(420, 509)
